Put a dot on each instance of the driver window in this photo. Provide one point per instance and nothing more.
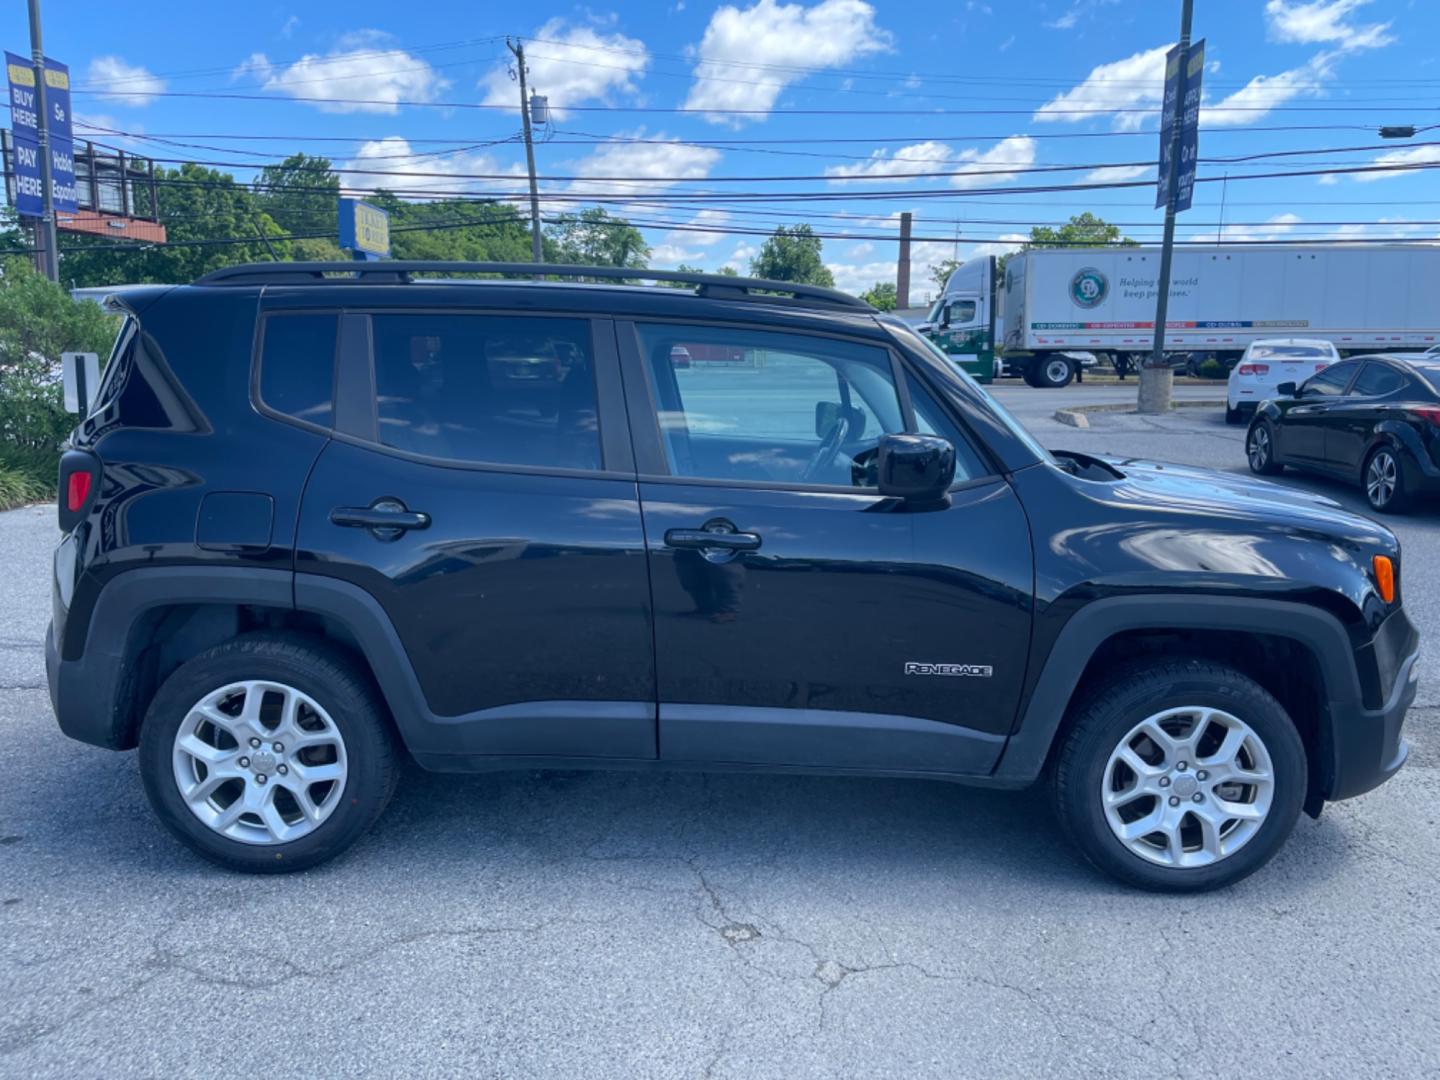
(1331, 382)
(766, 406)
(962, 312)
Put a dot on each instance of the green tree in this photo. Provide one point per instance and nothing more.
(793, 254)
(594, 237)
(210, 221)
(883, 296)
(300, 194)
(940, 272)
(1082, 230)
(39, 321)
(463, 230)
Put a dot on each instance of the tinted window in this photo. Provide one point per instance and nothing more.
(930, 419)
(1378, 379)
(1331, 381)
(297, 366)
(1289, 352)
(487, 388)
(962, 312)
(765, 406)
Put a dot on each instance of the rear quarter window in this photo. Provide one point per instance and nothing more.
(297, 365)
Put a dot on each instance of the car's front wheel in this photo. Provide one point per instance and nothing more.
(268, 753)
(1260, 449)
(1179, 776)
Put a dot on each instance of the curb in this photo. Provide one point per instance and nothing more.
(1075, 416)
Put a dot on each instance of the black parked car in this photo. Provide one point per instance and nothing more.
(1371, 420)
(321, 516)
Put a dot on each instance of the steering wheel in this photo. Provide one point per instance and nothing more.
(829, 446)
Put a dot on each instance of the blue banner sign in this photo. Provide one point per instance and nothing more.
(25, 125)
(364, 229)
(1181, 107)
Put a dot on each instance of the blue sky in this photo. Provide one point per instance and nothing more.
(851, 97)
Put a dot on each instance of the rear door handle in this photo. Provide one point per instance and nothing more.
(386, 518)
(715, 535)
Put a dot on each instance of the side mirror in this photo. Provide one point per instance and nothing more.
(944, 316)
(1286, 389)
(916, 468)
(80, 373)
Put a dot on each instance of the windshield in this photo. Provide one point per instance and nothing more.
(1003, 414)
(1281, 352)
(934, 316)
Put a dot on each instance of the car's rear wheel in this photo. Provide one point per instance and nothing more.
(1179, 776)
(268, 753)
(1384, 481)
(1260, 449)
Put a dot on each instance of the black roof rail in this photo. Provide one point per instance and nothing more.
(400, 271)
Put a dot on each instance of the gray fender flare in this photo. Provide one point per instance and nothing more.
(1319, 631)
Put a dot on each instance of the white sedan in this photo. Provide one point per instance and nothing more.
(1268, 363)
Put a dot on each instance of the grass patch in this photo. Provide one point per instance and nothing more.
(26, 476)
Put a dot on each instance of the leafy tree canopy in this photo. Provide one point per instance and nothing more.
(883, 295)
(793, 254)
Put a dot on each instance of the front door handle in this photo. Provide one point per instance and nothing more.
(385, 518)
(716, 536)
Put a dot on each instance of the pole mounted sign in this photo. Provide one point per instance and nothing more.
(25, 125)
(364, 229)
(1181, 108)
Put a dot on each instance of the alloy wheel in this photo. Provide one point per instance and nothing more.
(1259, 448)
(1187, 787)
(259, 762)
(1057, 371)
(1382, 478)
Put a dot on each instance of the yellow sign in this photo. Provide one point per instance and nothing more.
(21, 75)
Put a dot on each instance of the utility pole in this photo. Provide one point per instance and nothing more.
(518, 48)
(50, 250)
(1156, 378)
(902, 271)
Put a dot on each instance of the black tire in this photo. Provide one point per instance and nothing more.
(1260, 449)
(1047, 372)
(1399, 497)
(1134, 692)
(316, 668)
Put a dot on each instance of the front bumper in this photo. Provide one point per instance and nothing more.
(1366, 746)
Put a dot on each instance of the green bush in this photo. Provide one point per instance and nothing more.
(38, 321)
(1213, 369)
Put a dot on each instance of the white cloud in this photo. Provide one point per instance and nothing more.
(1078, 10)
(128, 84)
(1114, 174)
(394, 154)
(1017, 150)
(1263, 93)
(668, 256)
(571, 65)
(362, 74)
(1299, 23)
(981, 167)
(697, 233)
(741, 256)
(919, 157)
(856, 277)
(861, 249)
(658, 163)
(729, 75)
(1137, 81)
(1415, 155)
(290, 24)
(1274, 228)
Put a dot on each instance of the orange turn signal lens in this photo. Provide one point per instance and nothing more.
(1384, 577)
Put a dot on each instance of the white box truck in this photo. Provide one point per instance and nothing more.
(1053, 301)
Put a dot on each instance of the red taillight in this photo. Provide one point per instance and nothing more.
(1254, 369)
(77, 490)
(1321, 367)
(1429, 412)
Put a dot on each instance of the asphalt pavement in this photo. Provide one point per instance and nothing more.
(631, 925)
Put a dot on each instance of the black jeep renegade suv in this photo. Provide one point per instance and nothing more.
(321, 516)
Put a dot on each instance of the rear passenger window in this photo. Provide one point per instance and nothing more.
(297, 366)
(503, 390)
(1377, 380)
